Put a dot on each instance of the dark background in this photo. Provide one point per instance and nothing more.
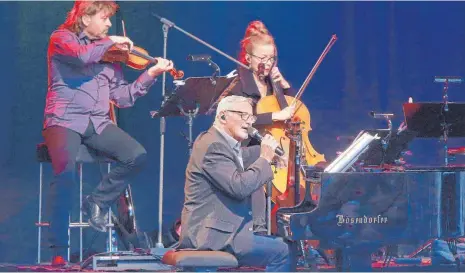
(386, 52)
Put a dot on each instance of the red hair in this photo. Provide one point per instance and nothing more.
(73, 21)
(255, 34)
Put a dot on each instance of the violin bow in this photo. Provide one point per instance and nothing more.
(124, 28)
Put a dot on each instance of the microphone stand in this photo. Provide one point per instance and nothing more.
(210, 64)
(445, 126)
(159, 247)
(269, 188)
(446, 80)
(171, 24)
(385, 141)
(190, 114)
(216, 73)
(160, 250)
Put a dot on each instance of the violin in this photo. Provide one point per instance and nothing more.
(138, 58)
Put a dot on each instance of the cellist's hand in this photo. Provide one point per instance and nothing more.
(278, 77)
(280, 161)
(284, 114)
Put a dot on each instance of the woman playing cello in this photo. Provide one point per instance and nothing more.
(259, 52)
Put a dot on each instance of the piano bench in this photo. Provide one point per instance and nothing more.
(199, 261)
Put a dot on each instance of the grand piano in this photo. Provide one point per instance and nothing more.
(358, 210)
(380, 208)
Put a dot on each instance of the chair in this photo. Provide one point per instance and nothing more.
(84, 155)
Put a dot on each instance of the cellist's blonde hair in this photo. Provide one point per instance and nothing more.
(255, 34)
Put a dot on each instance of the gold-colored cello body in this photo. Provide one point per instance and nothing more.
(293, 136)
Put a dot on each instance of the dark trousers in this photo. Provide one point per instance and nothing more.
(277, 254)
(259, 210)
(63, 145)
(258, 200)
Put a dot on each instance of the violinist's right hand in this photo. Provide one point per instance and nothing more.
(268, 147)
(162, 65)
(284, 114)
(123, 42)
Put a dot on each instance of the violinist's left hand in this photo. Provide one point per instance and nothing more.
(162, 65)
(278, 77)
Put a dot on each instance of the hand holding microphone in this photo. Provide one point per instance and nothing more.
(269, 146)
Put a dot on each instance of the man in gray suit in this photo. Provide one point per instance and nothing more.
(220, 179)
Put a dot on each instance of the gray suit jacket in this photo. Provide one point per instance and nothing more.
(217, 209)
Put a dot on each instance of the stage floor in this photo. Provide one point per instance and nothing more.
(75, 268)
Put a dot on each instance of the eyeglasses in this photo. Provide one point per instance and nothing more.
(245, 116)
(264, 59)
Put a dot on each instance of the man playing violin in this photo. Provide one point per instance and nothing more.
(80, 89)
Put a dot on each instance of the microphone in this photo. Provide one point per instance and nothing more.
(199, 58)
(255, 134)
(380, 115)
(261, 71)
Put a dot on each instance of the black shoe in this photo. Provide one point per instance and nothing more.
(97, 217)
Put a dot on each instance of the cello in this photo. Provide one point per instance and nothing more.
(293, 138)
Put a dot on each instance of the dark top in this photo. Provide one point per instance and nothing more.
(248, 88)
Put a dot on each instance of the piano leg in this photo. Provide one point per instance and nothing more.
(293, 249)
(357, 259)
(303, 252)
(338, 253)
(360, 262)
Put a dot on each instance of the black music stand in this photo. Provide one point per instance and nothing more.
(429, 119)
(432, 120)
(195, 96)
(377, 154)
